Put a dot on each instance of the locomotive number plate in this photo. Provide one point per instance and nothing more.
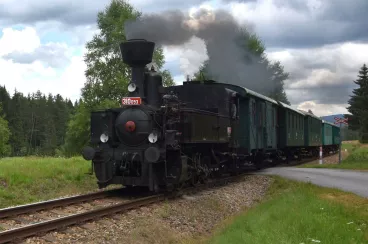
(131, 101)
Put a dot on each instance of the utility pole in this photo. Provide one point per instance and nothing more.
(340, 145)
(340, 121)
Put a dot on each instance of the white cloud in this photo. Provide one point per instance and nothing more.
(337, 59)
(36, 75)
(73, 78)
(25, 40)
(263, 13)
(189, 56)
(322, 78)
(323, 109)
(28, 78)
(315, 72)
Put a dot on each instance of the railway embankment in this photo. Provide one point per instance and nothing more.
(184, 219)
(295, 212)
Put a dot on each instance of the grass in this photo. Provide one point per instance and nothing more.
(357, 158)
(30, 179)
(296, 212)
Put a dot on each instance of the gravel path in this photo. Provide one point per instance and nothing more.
(168, 222)
(346, 180)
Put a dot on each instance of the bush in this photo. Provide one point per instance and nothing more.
(364, 138)
(359, 155)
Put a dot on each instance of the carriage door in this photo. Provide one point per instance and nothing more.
(234, 119)
(263, 124)
(269, 125)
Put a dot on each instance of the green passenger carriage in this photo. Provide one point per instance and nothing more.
(291, 127)
(312, 131)
(257, 126)
(330, 137)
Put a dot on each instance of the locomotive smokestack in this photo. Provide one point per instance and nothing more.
(137, 53)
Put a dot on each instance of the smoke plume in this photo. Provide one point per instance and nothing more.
(229, 60)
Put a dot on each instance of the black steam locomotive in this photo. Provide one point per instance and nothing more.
(164, 137)
(167, 137)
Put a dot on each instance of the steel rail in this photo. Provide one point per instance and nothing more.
(60, 202)
(46, 226)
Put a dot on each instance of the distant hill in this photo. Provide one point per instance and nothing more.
(331, 118)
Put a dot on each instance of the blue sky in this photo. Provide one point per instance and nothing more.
(322, 44)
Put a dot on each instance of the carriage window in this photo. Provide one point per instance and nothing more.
(254, 113)
(260, 113)
(301, 123)
(298, 122)
(264, 112)
(233, 110)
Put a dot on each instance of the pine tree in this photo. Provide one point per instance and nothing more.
(358, 104)
(279, 76)
(37, 124)
(4, 136)
(18, 139)
(4, 100)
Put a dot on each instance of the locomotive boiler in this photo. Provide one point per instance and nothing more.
(159, 138)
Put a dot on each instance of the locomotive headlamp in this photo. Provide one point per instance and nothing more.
(152, 138)
(104, 137)
(132, 87)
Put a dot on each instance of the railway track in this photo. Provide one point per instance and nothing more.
(44, 226)
(120, 204)
(61, 202)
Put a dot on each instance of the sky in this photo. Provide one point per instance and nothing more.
(321, 43)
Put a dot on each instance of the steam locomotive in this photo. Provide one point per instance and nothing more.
(166, 137)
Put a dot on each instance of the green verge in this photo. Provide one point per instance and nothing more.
(31, 179)
(357, 159)
(295, 212)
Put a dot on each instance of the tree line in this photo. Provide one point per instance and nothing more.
(56, 126)
(33, 125)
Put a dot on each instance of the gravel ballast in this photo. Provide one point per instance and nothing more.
(168, 222)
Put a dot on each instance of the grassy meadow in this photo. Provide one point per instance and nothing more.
(296, 212)
(357, 158)
(31, 179)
